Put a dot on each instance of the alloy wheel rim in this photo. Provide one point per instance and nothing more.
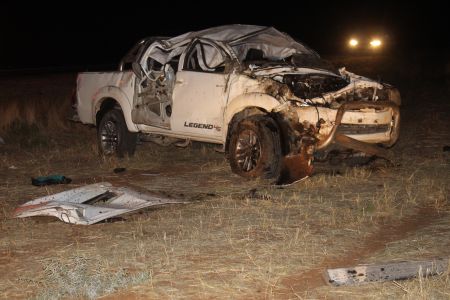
(109, 136)
(248, 150)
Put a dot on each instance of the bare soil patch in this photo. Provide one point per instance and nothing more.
(389, 231)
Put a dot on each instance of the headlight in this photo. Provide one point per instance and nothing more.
(353, 43)
(375, 43)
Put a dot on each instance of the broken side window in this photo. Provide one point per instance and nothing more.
(204, 57)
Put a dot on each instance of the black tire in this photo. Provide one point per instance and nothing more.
(254, 149)
(354, 159)
(358, 160)
(113, 135)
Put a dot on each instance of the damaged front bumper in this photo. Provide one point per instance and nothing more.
(366, 141)
(363, 126)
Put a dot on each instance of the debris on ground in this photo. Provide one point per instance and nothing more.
(2, 141)
(119, 170)
(51, 179)
(90, 204)
(385, 272)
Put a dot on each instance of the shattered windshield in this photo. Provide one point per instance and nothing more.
(270, 47)
(274, 44)
(312, 61)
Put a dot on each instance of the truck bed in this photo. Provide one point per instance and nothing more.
(93, 87)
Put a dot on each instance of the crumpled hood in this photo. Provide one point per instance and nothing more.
(318, 86)
(284, 70)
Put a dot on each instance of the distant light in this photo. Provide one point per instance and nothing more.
(375, 43)
(353, 42)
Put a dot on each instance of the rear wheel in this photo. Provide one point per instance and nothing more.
(254, 149)
(113, 135)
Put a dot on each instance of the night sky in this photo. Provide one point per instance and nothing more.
(77, 34)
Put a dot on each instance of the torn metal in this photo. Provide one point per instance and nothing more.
(90, 204)
(384, 272)
(303, 138)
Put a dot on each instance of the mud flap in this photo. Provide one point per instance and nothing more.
(295, 167)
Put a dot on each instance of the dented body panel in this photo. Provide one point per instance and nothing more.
(195, 86)
(370, 118)
(95, 87)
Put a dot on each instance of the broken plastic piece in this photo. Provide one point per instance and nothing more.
(52, 179)
(90, 204)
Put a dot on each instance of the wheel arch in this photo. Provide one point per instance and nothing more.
(112, 97)
(105, 104)
(244, 106)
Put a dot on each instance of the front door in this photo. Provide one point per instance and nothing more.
(199, 95)
(198, 103)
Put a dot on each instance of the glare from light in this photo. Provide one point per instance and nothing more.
(375, 43)
(353, 42)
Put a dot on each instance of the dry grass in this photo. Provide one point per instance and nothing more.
(428, 242)
(82, 277)
(35, 102)
(235, 239)
(419, 288)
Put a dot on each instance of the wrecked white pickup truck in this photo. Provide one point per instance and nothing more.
(271, 102)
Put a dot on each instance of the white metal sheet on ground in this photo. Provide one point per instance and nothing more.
(90, 204)
(384, 272)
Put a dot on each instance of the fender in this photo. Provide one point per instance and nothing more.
(120, 97)
(241, 102)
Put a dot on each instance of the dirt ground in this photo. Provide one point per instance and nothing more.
(233, 238)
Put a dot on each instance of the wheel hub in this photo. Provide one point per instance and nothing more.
(109, 135)
(248, 150)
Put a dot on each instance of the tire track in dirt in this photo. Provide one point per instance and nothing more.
(389, 232)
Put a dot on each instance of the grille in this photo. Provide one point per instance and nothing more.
(362, 129)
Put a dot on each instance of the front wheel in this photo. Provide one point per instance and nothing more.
(254, 149)
(113, 135)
